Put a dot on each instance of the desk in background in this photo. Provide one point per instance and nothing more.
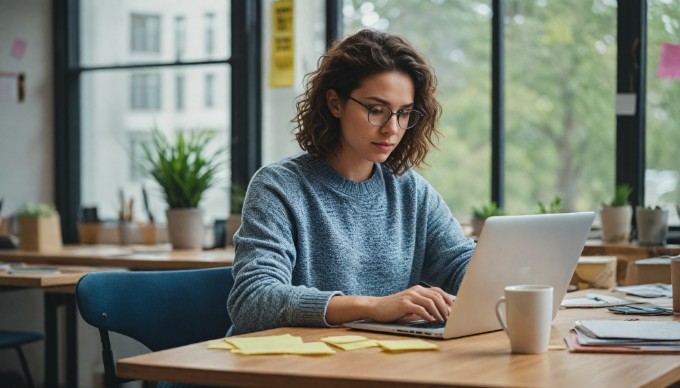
(59, 290)
(627, 254)
(480, 360)
(142, 257)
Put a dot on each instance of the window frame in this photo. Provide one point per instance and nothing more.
(246, 112)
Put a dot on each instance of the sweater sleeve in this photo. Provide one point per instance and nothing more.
(263, 296)
(448, 250)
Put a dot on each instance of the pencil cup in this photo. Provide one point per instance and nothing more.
(127, 233)
(527, 317)
(675, 281)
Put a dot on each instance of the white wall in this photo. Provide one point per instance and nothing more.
(26, 155)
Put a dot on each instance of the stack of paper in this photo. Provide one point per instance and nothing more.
(624, 336)
(656, 290)
(594, 300)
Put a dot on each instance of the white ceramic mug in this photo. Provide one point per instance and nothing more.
(527, 317)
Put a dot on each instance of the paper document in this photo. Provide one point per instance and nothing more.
(594, 300)
(656, 290)
(631, 330)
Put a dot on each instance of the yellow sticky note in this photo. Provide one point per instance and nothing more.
(309, 348)
(343, 339)
(273, 340)
(220, 344)
(357, 345)
(407, 345)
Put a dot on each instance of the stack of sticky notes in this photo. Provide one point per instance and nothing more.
(350, 342)
(275, 344)
(288, 344)
(354, 342)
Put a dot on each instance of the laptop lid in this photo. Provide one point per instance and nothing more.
(529, 249)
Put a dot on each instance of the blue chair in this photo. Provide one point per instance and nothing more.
(160, 309)
(15, 340)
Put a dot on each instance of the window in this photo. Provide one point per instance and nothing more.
(120, 102)
(209, 34)
(179, 92)
(145, 92)
(180, 36)
(560, 84)
(209, 98)
(460, 170)
(662, 177)
(136, 153)
(145, 33)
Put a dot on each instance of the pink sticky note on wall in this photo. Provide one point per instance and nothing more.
(669, 61)
(18, 48)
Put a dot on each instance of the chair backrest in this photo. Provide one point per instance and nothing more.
(160, 309)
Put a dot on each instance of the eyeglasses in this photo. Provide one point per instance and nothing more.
(379, 114)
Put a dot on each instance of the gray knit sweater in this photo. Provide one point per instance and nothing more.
(308, 234)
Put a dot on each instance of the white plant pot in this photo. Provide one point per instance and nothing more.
(652, 226)
(185, 228)
(616, 222)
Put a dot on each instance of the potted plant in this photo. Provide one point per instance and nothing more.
(238, 195)
(652, 225)
(480, 214)
(39, 227)
(555, 206)
(184, 168)
(616, 216)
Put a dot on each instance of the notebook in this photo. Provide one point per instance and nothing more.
(529, 249)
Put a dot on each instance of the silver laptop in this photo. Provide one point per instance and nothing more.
(531, 249)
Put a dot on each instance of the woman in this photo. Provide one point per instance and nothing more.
(348, 230)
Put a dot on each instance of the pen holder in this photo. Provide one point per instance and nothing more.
(127, 233)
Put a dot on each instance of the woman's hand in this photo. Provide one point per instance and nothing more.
(417, 302)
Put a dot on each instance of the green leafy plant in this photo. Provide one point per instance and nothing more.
(555, 206)
(35, 210)
(184, 168)
(621, 195)
(487, 210)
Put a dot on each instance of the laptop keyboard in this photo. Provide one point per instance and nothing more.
(429, 325)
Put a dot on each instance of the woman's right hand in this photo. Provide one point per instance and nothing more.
(415, 303)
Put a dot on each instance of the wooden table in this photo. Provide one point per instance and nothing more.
(59, 290)
(142, 257)
(481, 360)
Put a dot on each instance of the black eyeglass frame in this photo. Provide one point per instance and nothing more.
(368, 107)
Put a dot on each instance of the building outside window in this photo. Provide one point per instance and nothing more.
(209, 98)
(209, 33)
(145, 33)
(145, 91)
(179, 92)
(180, 36)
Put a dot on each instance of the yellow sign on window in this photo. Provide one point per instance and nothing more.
(282, 72)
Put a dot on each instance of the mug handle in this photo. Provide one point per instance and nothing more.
(501, 318)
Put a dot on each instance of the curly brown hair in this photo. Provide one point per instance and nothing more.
(344, 66)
